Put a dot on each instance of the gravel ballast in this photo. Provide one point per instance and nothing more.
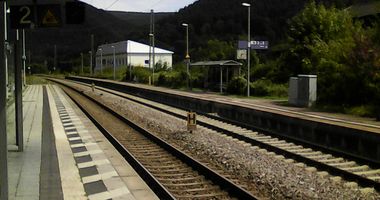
(263, 174)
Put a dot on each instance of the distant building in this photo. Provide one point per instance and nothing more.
(130, 53)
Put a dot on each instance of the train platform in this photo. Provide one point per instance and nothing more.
(65, 156)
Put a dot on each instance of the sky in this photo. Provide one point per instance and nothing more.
(140, 5)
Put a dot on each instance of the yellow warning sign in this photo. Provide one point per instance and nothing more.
(49, 19)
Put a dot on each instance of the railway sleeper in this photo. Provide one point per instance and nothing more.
(367, 173)
(375, 178)
(155, 155)
(294, 147)
(332, 160)
(303, 150)
(198, 178)
(262, 137)
(356, 168)
(206, 196)
(149, 163)
(320, 157)
(203, 189)
(269, 141)
(344, 164)
(277, 142)
(187, 185)
(141, 147)
(285, 145)
(171, 170)
(310, 154)
(163, 167)
(184, 174)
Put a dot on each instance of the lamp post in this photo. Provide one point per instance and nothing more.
(101, 60)
(153, 59)
(187, 53)
(249, 46)
(114, 63)
(90, 52)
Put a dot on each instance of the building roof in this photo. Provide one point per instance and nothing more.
(128, 46)
(365, 9)
(217, 63)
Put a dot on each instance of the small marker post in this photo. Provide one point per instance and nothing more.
(191, 121)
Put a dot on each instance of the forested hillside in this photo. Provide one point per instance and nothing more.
(226, 20)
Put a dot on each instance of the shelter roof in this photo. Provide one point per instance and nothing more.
(365, 9)
(217, 63)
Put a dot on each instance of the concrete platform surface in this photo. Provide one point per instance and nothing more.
(66, 156)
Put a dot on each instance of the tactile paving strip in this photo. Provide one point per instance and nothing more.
(93, 166)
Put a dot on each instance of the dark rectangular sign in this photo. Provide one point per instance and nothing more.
(49, 15)
(22, 16)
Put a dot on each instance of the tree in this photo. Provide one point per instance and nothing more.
(327, 42)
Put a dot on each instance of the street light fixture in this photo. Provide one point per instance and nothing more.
(114, 63)
(187, 53)
(249, 46)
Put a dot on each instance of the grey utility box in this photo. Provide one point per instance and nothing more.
(303, 90)
(293, 90)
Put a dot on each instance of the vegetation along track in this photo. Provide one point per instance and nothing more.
(348, 168)
(171, 173)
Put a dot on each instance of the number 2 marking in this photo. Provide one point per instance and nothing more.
(24, 19)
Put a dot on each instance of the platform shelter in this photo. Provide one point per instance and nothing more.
(219, 73)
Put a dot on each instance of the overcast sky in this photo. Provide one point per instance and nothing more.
(140, 5)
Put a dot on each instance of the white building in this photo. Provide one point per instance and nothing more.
(130, 53)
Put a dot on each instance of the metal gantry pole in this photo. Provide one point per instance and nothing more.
(18, 94)
(3, 116)
(101, 61)
(114, 63)
(248, 47)
(90, 52)
(92, 55)
(55, 58)
(153, 51)
(24, 56)
(6, 45)
(187, 54)
(249, 52)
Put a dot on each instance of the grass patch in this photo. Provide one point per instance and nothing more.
(35, 80)
(360, 111)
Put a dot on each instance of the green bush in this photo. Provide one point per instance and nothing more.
(38, 69)
(237, 85)
(107, 73)
(260, 87)
(264, 87)
(173, 79)
(141, 74)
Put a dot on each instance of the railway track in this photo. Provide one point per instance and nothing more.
(326, 163)
(171, 173)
